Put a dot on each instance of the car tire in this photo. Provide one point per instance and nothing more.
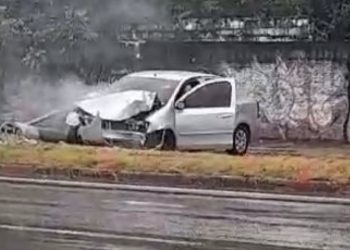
(169, 143)
(241, 138)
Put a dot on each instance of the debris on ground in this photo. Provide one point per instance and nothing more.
(16, 140)
(9, 136)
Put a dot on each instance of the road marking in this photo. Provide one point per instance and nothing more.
(106, 236)
(179, 191)
(153, 204)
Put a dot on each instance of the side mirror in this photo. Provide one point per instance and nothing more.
(180, 105)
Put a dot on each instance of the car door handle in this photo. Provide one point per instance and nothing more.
(225, 116)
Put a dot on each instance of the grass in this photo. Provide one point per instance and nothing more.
(332, 166)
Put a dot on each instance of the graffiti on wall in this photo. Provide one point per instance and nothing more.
(300, 99)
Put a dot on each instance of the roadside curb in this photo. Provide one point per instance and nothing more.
(219, 184)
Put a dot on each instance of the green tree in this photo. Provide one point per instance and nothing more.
(40, 34)
(331, 18)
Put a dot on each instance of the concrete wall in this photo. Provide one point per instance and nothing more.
(302, 87)
(300, 99)
(191, 55)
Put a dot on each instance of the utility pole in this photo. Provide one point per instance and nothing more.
(2, 61)
(135, 43)
(347, 120)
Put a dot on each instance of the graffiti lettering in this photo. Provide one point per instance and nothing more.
(302, 99)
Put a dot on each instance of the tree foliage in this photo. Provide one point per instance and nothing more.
(243, 8)
(331, 18)
(81, 35)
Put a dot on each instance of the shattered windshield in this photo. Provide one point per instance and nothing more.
(163, 87)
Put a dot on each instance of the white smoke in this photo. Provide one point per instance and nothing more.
(29, 98)
(32, 96)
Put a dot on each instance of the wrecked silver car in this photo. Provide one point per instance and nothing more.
(155, 109)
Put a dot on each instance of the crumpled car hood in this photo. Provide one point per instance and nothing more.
(119, 106)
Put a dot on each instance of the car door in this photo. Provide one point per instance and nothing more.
(204, 117)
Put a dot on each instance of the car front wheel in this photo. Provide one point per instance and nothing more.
(169, 141)
(162, 140)
(240, 141)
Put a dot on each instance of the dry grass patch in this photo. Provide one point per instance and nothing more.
(330, 166)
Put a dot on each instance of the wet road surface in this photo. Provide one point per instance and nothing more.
(50, 217)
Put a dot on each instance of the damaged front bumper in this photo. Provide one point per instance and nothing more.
(94, 133)
(125, 139)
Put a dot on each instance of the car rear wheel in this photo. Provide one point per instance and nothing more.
(241, 138)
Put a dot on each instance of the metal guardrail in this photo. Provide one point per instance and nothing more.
(226, 29)
(216, 35)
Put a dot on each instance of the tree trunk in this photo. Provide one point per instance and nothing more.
(347, 121)
(2, 79)
(2, 97)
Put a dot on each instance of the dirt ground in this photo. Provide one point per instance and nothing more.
(301, 162)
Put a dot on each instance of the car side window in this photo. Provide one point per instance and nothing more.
(214, 95)
(187, 87)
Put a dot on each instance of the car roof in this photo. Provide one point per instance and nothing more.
(170, 75)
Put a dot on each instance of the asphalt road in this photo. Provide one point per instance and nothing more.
(50, 217)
